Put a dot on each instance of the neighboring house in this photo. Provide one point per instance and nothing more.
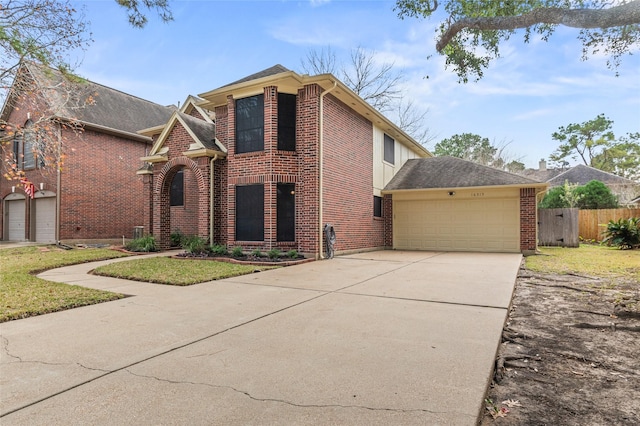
(96, 194)
(265, 162)
(626, 190)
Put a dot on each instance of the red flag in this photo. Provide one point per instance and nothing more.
(29, 188)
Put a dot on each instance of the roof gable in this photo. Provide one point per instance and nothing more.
(451, 172)
(276, 69)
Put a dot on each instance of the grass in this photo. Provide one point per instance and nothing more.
(22, 294)
(165, 270)
(591, 260)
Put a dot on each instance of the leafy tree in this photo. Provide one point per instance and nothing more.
(473, 147)
(554, 199)
(378, 83)
(584, 140)
(596, 195)
(594, 143)
(471, 33)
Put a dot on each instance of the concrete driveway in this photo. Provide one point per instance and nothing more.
(383, 337)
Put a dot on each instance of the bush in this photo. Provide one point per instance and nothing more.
(194, 244)
(237, 252)
(256, 253)
(623, 233)
(176, 238)
(596, 195)
(292, 254)
(554, 199)
(144, 244)
(219, 250)
(274, 253)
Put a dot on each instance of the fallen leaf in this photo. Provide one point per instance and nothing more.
(512, 403)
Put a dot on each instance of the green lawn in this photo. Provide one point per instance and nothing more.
(165, 270)
(22, 294)
(590, 260)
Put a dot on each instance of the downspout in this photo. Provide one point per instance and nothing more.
(211, 214)
(320, 171)
(58, 187)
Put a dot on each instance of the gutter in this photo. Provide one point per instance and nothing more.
(211, 214)
(320, 171)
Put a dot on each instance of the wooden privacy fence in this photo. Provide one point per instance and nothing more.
(589, 221)
(558, 227)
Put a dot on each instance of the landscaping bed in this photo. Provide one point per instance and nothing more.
(570, 352)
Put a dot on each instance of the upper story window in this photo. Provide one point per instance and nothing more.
(26, 149)
(389, 149)
(286, 122)
(250, 124)
(176, 196)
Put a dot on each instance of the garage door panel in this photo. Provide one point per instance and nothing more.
(45, 218)
(457, 225)
(16, 219)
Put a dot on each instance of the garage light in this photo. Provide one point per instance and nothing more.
(452, 193)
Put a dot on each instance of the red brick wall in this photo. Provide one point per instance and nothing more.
(528, 220)
(102, 197)
(348, 178)
(387, 216)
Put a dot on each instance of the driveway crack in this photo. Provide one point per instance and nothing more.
(5, 349)
(290, 403)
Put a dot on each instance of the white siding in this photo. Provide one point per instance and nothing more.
(383, 171)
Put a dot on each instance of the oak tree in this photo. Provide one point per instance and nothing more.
(471, 31)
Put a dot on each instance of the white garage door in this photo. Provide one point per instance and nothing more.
(45, 219)
(490, 225)
(16, 219)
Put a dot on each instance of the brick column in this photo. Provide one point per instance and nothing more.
(528, 220)
(387, 215)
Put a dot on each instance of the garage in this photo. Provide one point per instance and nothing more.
(45, 218)
(449, 204)
(465, 221)
(15, 209)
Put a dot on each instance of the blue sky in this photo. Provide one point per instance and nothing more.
(523, 98)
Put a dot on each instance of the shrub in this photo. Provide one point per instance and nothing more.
(144, 244)
(176, 238)
(623, 233)
(554, 199)
(237, 252)
(274, 253)
(256, 253)
(194, 244)
(219, 250)
(596, 195)
(292, 254)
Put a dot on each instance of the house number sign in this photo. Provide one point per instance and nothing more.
(477, 194)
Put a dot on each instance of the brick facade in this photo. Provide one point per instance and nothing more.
(528, 220)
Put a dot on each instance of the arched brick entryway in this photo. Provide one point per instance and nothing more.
(161, 198)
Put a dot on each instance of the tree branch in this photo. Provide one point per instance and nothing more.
(617, 16)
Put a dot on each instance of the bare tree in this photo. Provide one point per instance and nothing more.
(377, 83)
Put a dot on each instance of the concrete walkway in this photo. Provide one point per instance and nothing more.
(383, 338)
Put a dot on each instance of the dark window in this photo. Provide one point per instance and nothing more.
(250, 124)
(17, 151)
(29, 149)
(377, 206)
(286, 122)
(176, 198)
(250, 213)
(389, 149)
(286, 212)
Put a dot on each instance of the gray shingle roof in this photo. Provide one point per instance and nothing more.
(582, 175)
(112, 108)
(450, 172)
(203, 130)
(276, 69)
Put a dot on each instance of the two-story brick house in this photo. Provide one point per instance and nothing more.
(288, 153)
(90, 191)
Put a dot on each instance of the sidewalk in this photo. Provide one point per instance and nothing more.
(376, 338)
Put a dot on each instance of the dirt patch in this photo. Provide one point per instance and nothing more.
(570, 353)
